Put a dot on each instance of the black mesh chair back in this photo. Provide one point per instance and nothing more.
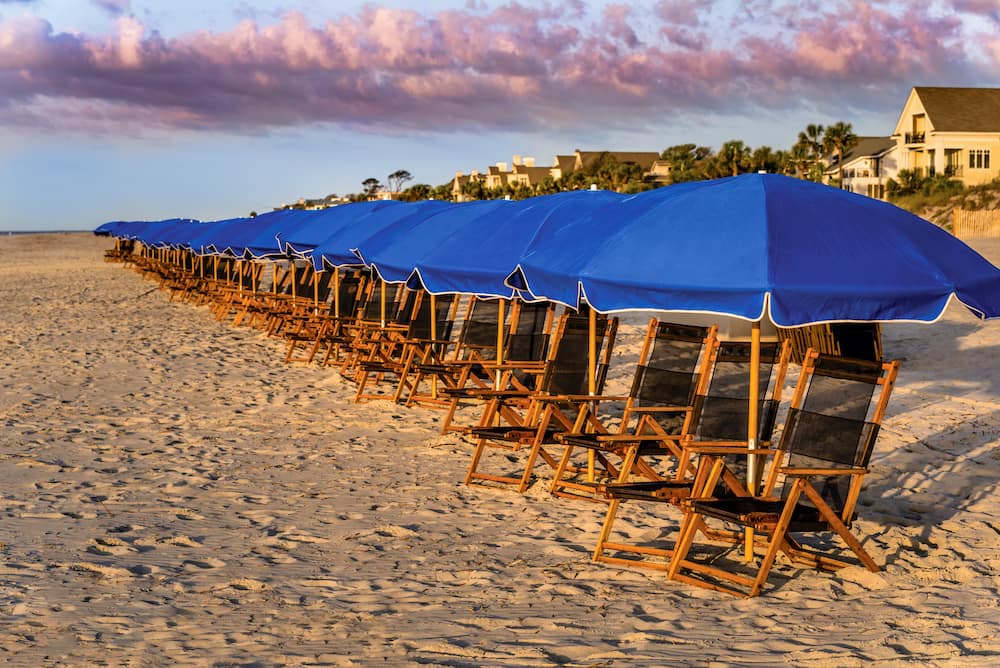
(373, 308)
(324, 287)
(479, 332)
(407, 304)
(529, 342)
(669, 375)
(303, 280)
(348, 288)
(420, 326)
(831, 429)
(567, 372)
(722, 413)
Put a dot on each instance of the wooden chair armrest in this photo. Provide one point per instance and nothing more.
(627, 438)
(575, 398)
(729, 450)
(806, 473)
(660, 409)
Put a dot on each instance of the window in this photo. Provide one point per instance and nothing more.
(979, 158)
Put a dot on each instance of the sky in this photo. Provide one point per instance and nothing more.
(144, 110)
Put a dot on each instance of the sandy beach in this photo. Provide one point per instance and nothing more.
(173, 494)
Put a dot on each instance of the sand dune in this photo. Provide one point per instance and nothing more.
(172, 494)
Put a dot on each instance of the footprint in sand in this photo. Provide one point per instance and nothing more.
(209, 562)
(110, 546)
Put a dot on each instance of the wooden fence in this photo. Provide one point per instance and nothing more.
(970, 224)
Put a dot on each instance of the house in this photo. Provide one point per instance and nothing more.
(868, 166)
(951, 131)
(586, 159)
(461, 182)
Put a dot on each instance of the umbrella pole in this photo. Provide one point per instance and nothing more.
(336, 292)
(592, 382)
(499, 356)
(752, 430)
(315, 292)
(294, 287)
(382, 302)
(434, 386)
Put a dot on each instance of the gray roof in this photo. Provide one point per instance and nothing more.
(961, 109)
(869, 146)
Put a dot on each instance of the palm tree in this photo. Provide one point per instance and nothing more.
(799, 158)
(812, 139)
(734, 157)
(838, 139)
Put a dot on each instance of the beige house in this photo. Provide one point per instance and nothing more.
(951, 131)
(523, 172)
(645, 159)
(460, 181)
(868, 166)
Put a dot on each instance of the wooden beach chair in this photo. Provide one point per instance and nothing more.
(674, 364)
(718, 419)
(312, 330)
(822, 458)
(525, 348)
(564, 373)
(475, 344)
(397, 346)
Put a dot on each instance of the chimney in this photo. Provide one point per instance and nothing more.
(529, 161)
(502, 166)
(517, 160)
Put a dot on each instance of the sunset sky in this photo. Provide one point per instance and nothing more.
(142, 109)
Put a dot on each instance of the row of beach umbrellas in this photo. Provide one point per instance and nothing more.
(753, 246)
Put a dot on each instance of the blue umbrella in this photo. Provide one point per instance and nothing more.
(476, 258)
(310, 231)
(337, 249)
(256, 237)
(395, 251)
(760, 245)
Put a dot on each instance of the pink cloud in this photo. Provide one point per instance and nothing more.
(513, 66)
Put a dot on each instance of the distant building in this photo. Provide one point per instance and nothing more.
(644, 159)
(522, 171)
(461, 182)
(314, 204)
(868, 166)
(951, 131)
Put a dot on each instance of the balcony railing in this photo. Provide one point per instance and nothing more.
(914, 137)
(953, 170)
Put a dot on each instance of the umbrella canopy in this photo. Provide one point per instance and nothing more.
(477, 258)
(310, 231)
(257, 236)
(397, 248)
(336, 249)
(760, 245)
(213, 238)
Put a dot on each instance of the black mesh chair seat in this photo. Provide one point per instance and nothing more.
(662, 491)
(591, 442)
(507, 433)
(760, 512)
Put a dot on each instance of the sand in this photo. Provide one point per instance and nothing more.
(172, 494)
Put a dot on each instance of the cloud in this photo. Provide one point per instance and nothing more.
(115, 7)
(512, 66)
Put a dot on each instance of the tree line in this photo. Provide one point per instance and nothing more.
(810, 157)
